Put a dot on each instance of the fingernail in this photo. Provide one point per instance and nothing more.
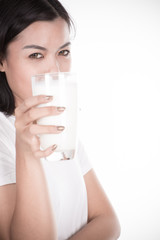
(48, 98)
(60, 128)
(61, 109)
(53, 147)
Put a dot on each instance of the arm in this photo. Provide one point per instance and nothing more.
(7, 204)
(32, 216)
(102, 221)
(24, 207)
(27, 212)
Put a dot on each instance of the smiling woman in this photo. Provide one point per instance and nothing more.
(39, 199)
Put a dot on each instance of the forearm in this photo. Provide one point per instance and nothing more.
(32, 218)
(100, 228)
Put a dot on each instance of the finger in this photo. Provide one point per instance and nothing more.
(32, 102)
(36, 129)
(45, 153)
(37, 113)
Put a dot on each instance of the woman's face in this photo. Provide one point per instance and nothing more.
(42, 47)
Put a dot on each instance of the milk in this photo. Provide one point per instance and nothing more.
(64, 92)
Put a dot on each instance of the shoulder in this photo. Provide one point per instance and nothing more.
(6, 120)
(7, 132)
(6, 125)
(82, 157)
(7, 150)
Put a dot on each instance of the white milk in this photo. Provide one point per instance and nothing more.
(64, 92)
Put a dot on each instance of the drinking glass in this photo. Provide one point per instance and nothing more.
(63, 87)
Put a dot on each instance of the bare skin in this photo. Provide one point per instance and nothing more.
(26, 207)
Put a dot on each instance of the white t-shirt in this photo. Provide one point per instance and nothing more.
(65, 181)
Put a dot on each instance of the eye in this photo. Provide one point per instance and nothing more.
(64, 53)
(36, 55)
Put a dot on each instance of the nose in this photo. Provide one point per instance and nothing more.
(53, 65)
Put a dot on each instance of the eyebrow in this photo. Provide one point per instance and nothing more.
(43, 48)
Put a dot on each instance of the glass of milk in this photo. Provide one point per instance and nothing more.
(63, 87)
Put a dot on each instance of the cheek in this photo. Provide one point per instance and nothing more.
(18, 79)
(65, 65)
(15, 75)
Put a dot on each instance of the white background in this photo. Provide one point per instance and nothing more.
(117, 55)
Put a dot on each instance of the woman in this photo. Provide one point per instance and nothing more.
(61, 200)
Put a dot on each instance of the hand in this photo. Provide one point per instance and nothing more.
(27, 130)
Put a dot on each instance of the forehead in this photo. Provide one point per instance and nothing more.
(44, 33)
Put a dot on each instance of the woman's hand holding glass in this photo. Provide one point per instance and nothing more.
(27, 130)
